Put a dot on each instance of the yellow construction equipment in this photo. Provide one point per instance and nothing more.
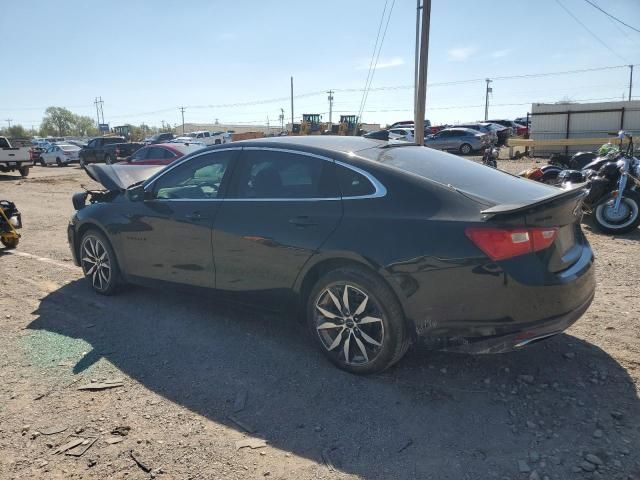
(349, 125)
(10, 220)
(311, 124)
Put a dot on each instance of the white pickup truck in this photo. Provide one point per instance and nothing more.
(209, 138)
(14, 158)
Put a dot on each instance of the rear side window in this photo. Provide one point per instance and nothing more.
(166, 153)
(269, 174)
(352, 183)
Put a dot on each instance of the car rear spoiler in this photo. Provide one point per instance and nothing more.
(577, 193)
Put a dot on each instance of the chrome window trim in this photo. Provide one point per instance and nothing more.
(380, 189)
(150, 181)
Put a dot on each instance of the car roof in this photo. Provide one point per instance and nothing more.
(467, 130)
(335, 143)
(183, 148)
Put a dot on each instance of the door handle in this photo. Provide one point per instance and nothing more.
(302, 221)
(195, 216)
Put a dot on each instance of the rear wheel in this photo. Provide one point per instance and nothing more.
(99, 263)
(465, 149)
(58, 162)
(24, 171)
(356, 320)
(623, 220)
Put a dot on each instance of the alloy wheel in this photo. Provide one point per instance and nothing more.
(96, 263)
(349, 323)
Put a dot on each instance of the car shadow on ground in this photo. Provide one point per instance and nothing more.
(434, 415)
(7, 177)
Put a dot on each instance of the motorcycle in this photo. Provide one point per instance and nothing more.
(580, 161)
(613, 189)
(490, 156)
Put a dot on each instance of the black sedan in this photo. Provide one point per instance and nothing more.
(380, 245)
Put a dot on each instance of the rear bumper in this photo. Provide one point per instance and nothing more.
(526, 334)
(482, 308)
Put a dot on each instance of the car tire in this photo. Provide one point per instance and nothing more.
(42, 162)
(107, 159)
(465, 149)
(58, 162)
(99, 263)
(24, 171)
(81, 162)
(376, 333)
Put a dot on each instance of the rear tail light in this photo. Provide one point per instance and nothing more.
(503, 243)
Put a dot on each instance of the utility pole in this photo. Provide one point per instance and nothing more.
(421, 90)
(9, 120)
(182, 111)
(268, 126)
(97, 113)
(330, 98)
(281, 120)
(101, 109)
(417, 55)
(630, 80)
(486, 99)
(291, 104)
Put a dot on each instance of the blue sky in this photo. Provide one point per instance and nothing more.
(147, 58)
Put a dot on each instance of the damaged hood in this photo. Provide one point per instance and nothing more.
(120, 177)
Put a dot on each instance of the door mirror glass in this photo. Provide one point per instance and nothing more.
(137, 193)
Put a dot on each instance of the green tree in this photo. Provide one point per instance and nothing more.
(57, 121)
(84, 126)
(15, 131)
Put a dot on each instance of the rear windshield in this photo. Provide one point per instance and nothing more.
(68, 148)
(465, 175)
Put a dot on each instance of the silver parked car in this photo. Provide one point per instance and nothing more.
(463, 140)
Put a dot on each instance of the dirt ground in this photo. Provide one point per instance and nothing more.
(197, 377)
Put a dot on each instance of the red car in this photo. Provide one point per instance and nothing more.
(161, 153)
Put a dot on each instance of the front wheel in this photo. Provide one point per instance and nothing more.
(356, 320)
(99, 263)
(58, 162)
(107, 159)
(624, 220)
(465, 149)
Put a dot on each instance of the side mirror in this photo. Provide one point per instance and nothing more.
(139, 194)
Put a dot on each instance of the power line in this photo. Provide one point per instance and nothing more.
(373, 55)
(375, 65)
(590, 31)
(611, 16)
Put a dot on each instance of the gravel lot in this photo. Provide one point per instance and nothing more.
(199, 376)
